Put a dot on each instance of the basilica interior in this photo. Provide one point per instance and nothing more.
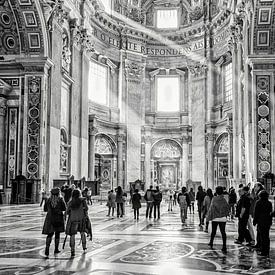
(133, 93)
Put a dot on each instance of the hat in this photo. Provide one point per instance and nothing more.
(55, 191)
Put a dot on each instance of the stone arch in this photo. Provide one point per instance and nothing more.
(173, 141)
(104, 144)
(221, 156)
(220, 142)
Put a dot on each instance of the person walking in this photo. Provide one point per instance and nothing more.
(184, 202)
(43, 196)
(119, 202)
(111, 203)
(205, 207)
(136, 198)
(170, 200)
(157, 196)
(263, 220)
(77, 211)
(54, 221)
(200, 197)
(232, 200)
(149, 200)
(242, 212)
(89, 197)
(218, 213)
(191, 194)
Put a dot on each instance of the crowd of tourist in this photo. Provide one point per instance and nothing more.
(251, 206)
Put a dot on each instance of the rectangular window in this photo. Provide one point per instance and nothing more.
(98, 83)
(228, 85)
(168, 91)
(167, 19)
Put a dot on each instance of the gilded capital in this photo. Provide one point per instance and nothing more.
(210, 137)
(198, 70)
(93, 130)
(133, 71)
(3, 107)
(120, 137)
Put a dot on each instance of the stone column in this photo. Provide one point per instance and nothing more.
(185, 162)
(210, 138)
(147, 161)
(120, 139)
(3, 108)
(91, 157)
(235, 117)
(230, 153)
(197, 80)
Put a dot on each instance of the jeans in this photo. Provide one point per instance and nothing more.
(244, 233)
(136, 213)
(214, 230)
(149, 209)
(183, 214)
(120, 209)
(156, 208)
(263, 231)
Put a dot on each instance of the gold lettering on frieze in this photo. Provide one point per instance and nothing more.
(162, 50)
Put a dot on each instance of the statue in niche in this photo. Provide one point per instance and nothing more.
(150, 17)
(66, 53)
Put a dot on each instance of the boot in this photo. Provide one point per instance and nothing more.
(48, 243)
(83, 239)
(56, 245)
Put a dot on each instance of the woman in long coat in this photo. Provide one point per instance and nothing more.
(136, 198)
(54, 221)
(77, 211)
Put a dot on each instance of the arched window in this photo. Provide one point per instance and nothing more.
(64, 151)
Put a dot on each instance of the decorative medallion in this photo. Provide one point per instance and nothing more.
(264, 166)
(263, 110)
(263, 97)
(263, 124)
(263, 83)
(263, 138)
(264, 153)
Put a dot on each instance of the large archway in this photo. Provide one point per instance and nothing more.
(166, 156)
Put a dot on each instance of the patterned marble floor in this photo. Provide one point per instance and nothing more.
(125, 247)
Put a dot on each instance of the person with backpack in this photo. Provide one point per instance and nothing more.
(232, 200)
(149, 200)
(111, 203)
(157, 195)
(184, 202)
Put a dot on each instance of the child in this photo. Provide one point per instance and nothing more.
(136, 203)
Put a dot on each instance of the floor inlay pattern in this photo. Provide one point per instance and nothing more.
(124, 246)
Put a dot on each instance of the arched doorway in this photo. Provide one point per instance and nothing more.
(166, 164)
(105, 162)
(221, 161)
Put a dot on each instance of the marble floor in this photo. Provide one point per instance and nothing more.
(125, 247)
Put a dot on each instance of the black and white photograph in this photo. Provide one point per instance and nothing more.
(137, 137)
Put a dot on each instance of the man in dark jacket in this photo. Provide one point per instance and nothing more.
(149, 200)
(184, 202)
(157, 195)
(242, 212)
(263, 220)
(200, 197)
